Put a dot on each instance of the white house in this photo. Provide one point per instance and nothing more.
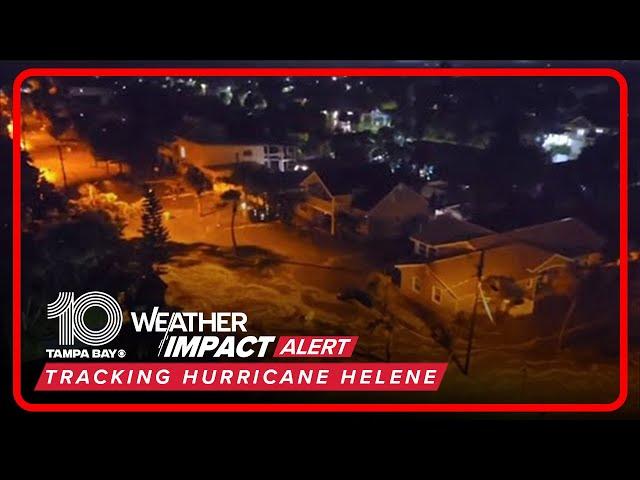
(220, 155)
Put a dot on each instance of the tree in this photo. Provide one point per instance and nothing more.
(502, 293)
(77, 253)
(233, 196)
(71, 254)
(38, 197)
(154, 234)
(148, 119)
(58, 125)
(199, 182)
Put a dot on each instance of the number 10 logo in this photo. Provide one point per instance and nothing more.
(71, 313)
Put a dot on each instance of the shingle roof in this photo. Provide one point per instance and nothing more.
(569, 237)
(343, 180)
(447, 229)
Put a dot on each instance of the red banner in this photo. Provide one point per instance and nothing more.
(315, 346)
(241, 376)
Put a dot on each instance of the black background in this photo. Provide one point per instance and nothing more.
(190, 437)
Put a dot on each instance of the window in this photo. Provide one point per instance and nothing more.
(183, 152)
(530, 283)
(274, 164)
(247, 153)
(416, 284)
(274, 149)
(436, 294)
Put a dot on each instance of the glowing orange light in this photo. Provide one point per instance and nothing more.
(48, 175)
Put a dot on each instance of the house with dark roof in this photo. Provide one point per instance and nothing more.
(446, 236)
(363, 197)
(512, 278)
(530, 261)
(569, 237)
(389, 213)
(326, 196)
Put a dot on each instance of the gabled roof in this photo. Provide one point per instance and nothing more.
(569, 237)
(334, 184)
(447, 229)
(370, 198)
(515, 261)
(399, 196)
(345, 180)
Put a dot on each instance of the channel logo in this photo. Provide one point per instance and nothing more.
(71, 312)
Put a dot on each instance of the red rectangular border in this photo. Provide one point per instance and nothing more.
(325, 407)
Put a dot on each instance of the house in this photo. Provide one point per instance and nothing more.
(218, 155)
(577, 134)
(530, 262)
(389, 213)
(445, 236)
(366, 197)
(327, 195)
(512, 276)
(583, 127)
(351, 118)
(568, 237)
(373, 120)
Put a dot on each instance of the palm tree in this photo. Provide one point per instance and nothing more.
(232, 196)
(200, 184)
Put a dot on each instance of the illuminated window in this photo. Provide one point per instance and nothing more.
(436, 294)
(530, 283)
(183, 152)
(416, 284)
(247, 153)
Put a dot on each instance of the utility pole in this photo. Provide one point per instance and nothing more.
(472, 326)
(64, 173)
